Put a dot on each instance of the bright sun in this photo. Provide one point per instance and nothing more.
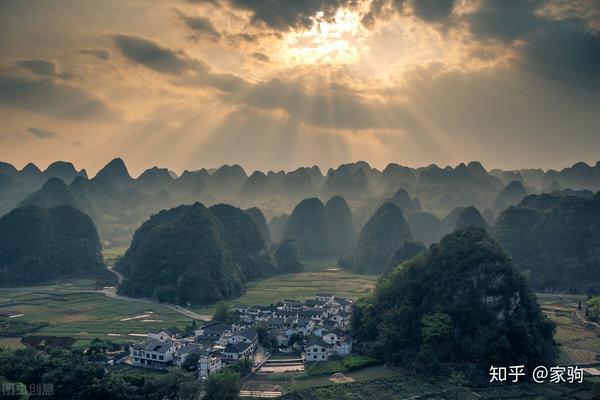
(328, 41)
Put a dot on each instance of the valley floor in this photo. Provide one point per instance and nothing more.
(75, 310)
(321, 276)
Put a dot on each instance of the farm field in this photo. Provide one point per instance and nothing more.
(84, 315)
(320, 277)
(302, 381)
(412, 387)
(579, 343)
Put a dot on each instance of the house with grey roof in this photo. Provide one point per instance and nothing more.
(152, 354)
(316, 349)
(215, 330)
(249, 336)
(185, 352)
(233, 353)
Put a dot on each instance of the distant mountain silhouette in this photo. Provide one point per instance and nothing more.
(379, 240)
(308, 226)
(54, 193)
(115, 173)
(428, 196)
(511, 195)
(277, 226)
(154, 180)
(261, 223)
(340, 226)
(469, 217)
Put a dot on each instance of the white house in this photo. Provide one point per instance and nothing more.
(152, 354)
(305, 326)
(332, 337)
(317, 350)
(163, 335)
(324, 297)
(249, 336)
(209, 362)
(342, 318)
(236, 352)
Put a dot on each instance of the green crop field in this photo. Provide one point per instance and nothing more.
(322, 277)
(399, 386)
(85, 316)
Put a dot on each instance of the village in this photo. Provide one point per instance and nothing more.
(317, 328)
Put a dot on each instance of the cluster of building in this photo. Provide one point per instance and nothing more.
(318, 326)
(321, 323)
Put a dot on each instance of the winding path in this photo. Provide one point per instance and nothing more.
(112, 293)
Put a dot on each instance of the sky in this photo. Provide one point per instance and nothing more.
(278, 84)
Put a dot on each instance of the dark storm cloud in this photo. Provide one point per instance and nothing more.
(563, 50)
(285, 14)
(41, 133)
(260, 56)
(153, 55)
(47, 96)
(187, 70)
(43, 67)
(39, 66)
(202, 27)
(433, 10)
(214, 2)
(504, 19)
(100, 53)
(427, 10)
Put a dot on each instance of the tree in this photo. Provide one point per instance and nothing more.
(457, 382)
(176, 385)
(224, 385)
(242, 368)
(593, 308)
(263, 336)
(222, 313)
(435, 332)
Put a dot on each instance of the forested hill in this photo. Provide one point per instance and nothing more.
(39, 245)
(555, 241)
(200, 255)
(460, 303)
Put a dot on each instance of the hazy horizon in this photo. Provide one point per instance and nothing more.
(186, 84)
(136, 172)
